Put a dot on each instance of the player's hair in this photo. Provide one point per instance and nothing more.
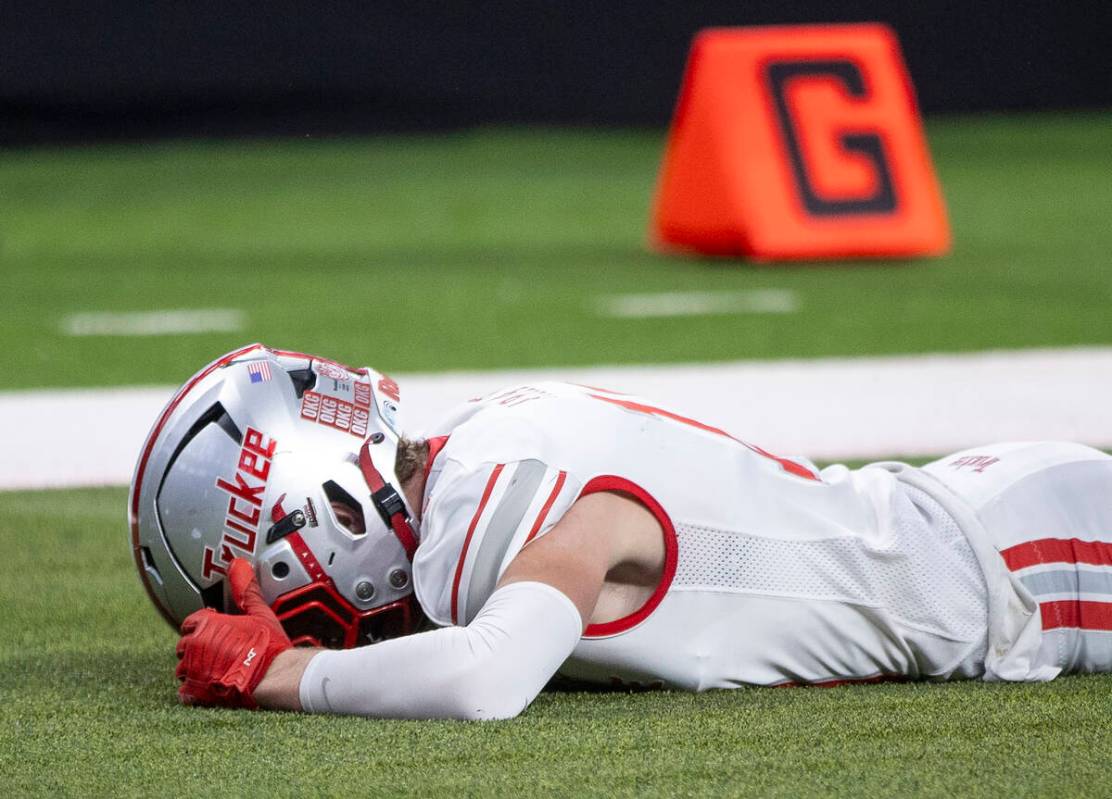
(410, 458)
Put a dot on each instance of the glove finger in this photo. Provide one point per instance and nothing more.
(247, 595)
(186, 696)
(194, 619)
(245, 589)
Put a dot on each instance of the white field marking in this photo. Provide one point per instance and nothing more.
(155, 323)
(697, 303)
(830, 409)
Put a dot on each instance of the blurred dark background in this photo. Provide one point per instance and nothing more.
(130, 69)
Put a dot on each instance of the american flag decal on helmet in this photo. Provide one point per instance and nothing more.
(259, 371)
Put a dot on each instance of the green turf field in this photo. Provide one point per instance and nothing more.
(506, 237)
(486, 249)
(87, 707)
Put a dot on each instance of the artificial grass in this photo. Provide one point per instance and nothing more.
(489, 249)
(87, 707)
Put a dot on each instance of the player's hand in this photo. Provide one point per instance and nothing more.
(223, 657)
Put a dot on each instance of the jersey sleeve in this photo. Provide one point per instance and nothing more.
(476, 520)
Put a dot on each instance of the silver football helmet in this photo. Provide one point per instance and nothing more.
(286, 459)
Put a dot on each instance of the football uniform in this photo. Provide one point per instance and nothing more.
(1046, 508)
(774, 572)
(995, 562)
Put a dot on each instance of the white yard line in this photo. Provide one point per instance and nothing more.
(697, 303)
(826, 409)
(155, 323)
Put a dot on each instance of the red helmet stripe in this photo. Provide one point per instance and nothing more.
(141, 470)
(308, 559)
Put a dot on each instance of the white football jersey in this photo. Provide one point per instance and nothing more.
(774, 573)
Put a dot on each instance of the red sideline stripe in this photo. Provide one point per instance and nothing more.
(1057, 550)
(799, 470)
(556, 489)
(467, 541)
(1081, 614)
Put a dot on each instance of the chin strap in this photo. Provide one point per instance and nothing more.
(387, 502)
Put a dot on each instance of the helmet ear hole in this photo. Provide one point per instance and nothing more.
(347, 509)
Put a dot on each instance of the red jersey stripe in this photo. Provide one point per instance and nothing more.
(436, 443)
(556, 489)
(789, 466)
(467, 540)
(1057, 550)
(1081, 614)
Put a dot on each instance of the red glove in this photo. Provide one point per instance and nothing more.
(224, 657)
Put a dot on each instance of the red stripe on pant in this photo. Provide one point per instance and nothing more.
(1057, 550)
(1065, 613)
(1076, 613)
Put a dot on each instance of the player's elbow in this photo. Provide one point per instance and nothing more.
(474, 707)
(487, 683)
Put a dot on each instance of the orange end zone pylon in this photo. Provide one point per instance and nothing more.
(796, 143)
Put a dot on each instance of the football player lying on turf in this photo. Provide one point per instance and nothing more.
(558, 529)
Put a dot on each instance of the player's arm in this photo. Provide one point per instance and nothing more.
(492, 668)
(496, 665)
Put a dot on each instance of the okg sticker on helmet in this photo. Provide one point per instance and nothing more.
(339, 400)
(337, 411)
